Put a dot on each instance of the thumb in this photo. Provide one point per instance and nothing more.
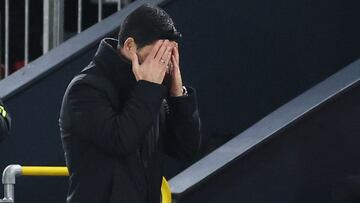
(134, 60)
(135, 65)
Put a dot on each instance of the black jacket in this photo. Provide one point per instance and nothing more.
(114, 130)
(5, 121)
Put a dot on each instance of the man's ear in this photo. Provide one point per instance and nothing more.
(130, 45)
(129, 48)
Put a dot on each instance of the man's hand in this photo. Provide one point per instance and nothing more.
(176, 88)
(154, 67)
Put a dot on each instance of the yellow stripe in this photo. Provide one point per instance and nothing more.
(165, 191)
(44, 171)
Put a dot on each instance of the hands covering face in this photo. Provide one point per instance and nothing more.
(176, 88)
(162, 59)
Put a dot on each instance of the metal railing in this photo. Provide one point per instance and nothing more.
(53, 26)
(12, 171)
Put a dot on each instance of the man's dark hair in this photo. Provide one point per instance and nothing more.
(147, 24)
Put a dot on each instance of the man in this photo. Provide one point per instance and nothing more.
(5, 122)
(126, 109)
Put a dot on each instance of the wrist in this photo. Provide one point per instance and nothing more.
(179, 92)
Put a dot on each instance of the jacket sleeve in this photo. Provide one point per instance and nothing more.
(5, 122)
(183, 137)
(94, 120)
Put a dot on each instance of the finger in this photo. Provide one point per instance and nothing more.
(155, 49)
(176, 53)
(173, 53)
(173, 61)
(168, 68)
(162, 50)
(167, 55)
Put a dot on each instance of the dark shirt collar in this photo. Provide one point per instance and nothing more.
(115, 66)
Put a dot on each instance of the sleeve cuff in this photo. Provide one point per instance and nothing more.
(150, 92)
(184, 104)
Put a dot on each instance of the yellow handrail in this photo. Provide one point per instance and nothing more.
(44, 171)
(63, 171)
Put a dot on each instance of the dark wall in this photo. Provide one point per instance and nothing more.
(304, 163)
(246, 58)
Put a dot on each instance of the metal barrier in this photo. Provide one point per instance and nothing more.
(53, 26)
(12, 171)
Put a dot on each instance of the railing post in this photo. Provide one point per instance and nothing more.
(119, 5)
(7, 38)
(9, 192)
(8, 180)
(53, 24)
(79, 21)
(100, 10)
(26, 45)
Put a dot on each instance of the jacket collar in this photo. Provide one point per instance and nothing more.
(115, 66)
